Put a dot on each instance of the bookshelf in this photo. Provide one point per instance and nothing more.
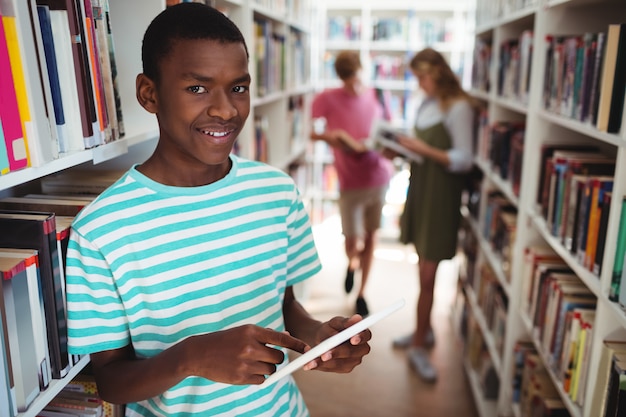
(502, 29)
(386, 35)
(281, 94)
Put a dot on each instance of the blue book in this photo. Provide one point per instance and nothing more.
(53, 74)
(4, 156)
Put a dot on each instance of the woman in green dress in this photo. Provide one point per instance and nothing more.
(431, 217)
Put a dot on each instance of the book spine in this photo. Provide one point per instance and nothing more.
(619, 84)
(43, 13)
(82, 75)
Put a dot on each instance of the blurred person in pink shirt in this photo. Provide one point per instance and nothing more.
(348, 113)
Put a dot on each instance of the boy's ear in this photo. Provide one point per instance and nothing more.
(145, 89)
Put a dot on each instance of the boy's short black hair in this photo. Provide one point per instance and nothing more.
(185, 21)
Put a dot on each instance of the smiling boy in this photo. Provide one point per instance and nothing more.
(180, 275)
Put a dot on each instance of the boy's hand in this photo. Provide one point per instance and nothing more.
(242, 355)
(345, 357)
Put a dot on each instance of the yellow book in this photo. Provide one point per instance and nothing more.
(573, 389)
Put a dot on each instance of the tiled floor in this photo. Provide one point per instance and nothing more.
(384, 385)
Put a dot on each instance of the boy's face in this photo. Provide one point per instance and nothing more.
(202, 101)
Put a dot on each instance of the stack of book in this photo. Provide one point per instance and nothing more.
(33, 247)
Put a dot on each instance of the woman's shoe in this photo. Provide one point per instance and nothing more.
(421, 363)
(406, 341)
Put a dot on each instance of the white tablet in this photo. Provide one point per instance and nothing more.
(332, 342)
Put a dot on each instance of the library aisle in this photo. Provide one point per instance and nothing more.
(384, 385)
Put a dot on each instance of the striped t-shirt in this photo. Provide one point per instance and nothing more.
(151, 265)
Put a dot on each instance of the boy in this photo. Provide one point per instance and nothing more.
(364, 175)
(180, 275)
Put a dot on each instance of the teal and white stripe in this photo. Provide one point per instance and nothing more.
(153, 264)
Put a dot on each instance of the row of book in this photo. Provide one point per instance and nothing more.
(80, 398)
(574, 196)
(280, 59)
(533, 390)
(501, 144)
(514, 67)
(33, 314)
(500, 228)
(561, 309)
(74, 104)
(585, 77)
(408, 27)
(481, 65)
(533, 387)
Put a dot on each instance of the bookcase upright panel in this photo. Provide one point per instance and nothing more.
(546, 106)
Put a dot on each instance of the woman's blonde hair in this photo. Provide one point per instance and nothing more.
(447, 86)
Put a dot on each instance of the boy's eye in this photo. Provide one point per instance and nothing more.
(197, 89)
(241, 89)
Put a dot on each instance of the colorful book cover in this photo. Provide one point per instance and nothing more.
(9, 111)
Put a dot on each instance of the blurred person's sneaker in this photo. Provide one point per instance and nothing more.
(421, 363)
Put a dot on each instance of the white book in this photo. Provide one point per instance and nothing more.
(67, 80)
(7, 397)
(41, 128)
(383, 135)
(21, 339)
(31, 258)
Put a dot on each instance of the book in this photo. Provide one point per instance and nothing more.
(58, 206)
(577, 393)
(383, 135)
(546, 164)
(31, 259)
(82, 74)
(599, 188)
(60, 27)
(52, 72)
(533, 255)
(619, 85)
(617, 374)
(88, 30)
(4, 156)
(78, 407)
(594, 92)
(99, 19)
(33, 90)
(14, 140)
(620, 252)
(24, 360)
(8, 378)
(610, 346)
(114, 73)
(33, 230)
(6, 388)
(605, 206)
(610, 104)
(79, 182)
(85, 383)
